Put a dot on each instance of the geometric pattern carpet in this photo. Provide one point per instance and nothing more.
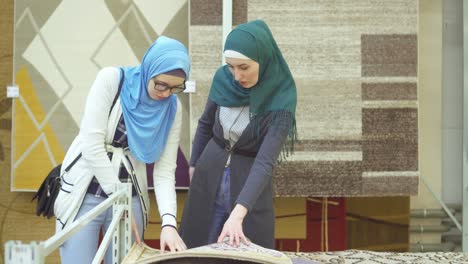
(58, 51)
(370, 257)
(224, 253)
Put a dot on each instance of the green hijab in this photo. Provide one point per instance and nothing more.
(275, 91)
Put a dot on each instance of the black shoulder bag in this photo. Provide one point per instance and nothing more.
(50, 187)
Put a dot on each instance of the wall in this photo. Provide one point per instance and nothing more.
(452, 102)
(430, 118)
(430, 101)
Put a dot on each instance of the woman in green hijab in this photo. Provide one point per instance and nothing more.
(247, 125)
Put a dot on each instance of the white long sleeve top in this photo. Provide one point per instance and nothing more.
(96, 132)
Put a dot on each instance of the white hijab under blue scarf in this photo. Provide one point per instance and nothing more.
(149, 121)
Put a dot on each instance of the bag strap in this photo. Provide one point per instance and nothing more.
(122, 75)
(73, 162)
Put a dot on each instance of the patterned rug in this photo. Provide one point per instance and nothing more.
(220, 253)
(216, 253)
(355, 67)
(371, 257)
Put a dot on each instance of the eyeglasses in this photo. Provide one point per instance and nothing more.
(163, 87)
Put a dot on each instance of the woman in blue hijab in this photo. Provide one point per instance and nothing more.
(132, 117)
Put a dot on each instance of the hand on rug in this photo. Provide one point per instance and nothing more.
(233, 227)
(170, 238)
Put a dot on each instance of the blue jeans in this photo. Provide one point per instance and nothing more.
(222, 206)
(83, 245)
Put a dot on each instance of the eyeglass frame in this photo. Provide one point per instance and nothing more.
(157, 83)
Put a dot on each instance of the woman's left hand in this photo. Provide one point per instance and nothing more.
(233, 227)
(170, 238)
(135, 231)
(190, 172)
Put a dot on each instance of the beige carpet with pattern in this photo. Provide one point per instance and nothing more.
(221, 253)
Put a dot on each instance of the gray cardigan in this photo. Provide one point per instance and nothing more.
(252, 160)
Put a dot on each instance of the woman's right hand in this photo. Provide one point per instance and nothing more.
(170, 238)
(190, 172)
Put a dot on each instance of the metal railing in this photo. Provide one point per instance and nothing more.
(119, 233)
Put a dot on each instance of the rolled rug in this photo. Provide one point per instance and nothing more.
(216, 253)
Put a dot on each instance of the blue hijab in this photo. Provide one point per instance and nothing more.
(149, 121)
